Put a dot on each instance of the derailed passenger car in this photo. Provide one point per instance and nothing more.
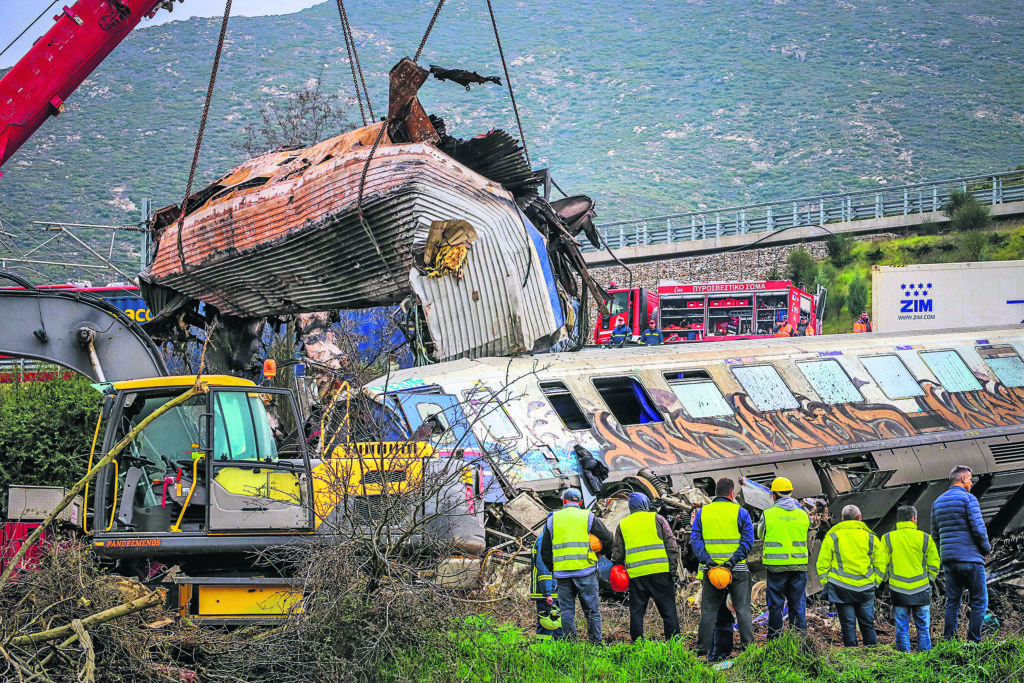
(877, 420)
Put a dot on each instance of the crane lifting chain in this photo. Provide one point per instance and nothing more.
(202, 128)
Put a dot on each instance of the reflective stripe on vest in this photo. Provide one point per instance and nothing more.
(785, 536)
(903, 563)
(720, 527)
(570, 540)
(645, 551)
(855, 582)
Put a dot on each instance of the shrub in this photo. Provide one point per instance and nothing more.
(46, 429)
(774, 274)
(801, 267)
(966, 212)
(857, 296)
(839, 247)
(971, 245)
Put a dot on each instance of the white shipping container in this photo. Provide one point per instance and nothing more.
(944, 296)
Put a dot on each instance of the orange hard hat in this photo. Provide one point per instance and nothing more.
(720, 577)
(595, 543)
(619, 578)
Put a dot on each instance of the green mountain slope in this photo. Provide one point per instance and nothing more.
(651, 107)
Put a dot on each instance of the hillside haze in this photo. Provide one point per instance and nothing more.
(651, 108)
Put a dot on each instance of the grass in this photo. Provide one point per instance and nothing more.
(791, 659)
(1005, 242)
(489, 652)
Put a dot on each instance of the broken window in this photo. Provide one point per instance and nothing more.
(765, 386)
(699, 395)
(627, 399)
(565, 405)
(951, 371)
(486, 408)
(892, 376)
(830, 381)
(433, 414)
(1005, 364)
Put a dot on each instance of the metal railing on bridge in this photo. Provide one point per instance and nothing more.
(768, 217)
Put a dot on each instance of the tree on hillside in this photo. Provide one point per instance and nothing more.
(966, 212)
(299, 119)
(800, 267)
(839, 247)
(857, 296)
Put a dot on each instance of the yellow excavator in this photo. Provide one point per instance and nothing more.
(227, 473)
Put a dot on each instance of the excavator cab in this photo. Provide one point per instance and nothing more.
(230, 463)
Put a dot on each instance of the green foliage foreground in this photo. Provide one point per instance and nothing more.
(489, 652)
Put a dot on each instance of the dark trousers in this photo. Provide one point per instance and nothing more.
(584, 588)
(721, 641)
(711, 601)
(783, 588)
(851, 614)
(642, 590)
(960, 576)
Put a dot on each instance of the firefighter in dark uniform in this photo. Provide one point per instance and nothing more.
(652, 336)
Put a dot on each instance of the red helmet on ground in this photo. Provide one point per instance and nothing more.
(619, 578)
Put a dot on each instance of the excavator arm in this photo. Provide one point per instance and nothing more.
(76, 330)
(84, 34)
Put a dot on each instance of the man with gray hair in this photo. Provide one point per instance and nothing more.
(851, 563)
(958, 529)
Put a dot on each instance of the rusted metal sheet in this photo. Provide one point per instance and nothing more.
(294, 242)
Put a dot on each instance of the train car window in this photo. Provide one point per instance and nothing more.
(627, 399)
(951, 370)
(699, 395)
(830, 381)
(1009, 370)
(1004, 363)
(433, 413)
(892, 376)
(565, 406)
(765, 386)
(487, 408)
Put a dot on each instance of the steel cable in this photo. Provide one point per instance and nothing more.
(508, 82)
(355, 54)
(202, 129)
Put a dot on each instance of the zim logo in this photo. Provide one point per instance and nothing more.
(916, 298)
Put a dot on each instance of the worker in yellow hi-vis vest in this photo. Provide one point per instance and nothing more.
(645, 544)
(784, 528)
(913, 562)
(851, 563)
(721, 537)
(566, 548)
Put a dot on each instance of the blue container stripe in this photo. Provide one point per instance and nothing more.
(545, 264)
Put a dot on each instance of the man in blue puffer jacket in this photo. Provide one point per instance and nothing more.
(958, 529)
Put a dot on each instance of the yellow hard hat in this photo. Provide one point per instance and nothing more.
(595, 543)
(782, 485)
(720, 577)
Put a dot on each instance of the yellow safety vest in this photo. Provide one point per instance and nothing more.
(645, 551)
(570, 540)
(785, 536)
(853, 563)
(720, 528)
(909, 567)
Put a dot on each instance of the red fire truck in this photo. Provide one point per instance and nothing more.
(712, 311)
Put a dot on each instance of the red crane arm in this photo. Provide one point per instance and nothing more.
(35, 88)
